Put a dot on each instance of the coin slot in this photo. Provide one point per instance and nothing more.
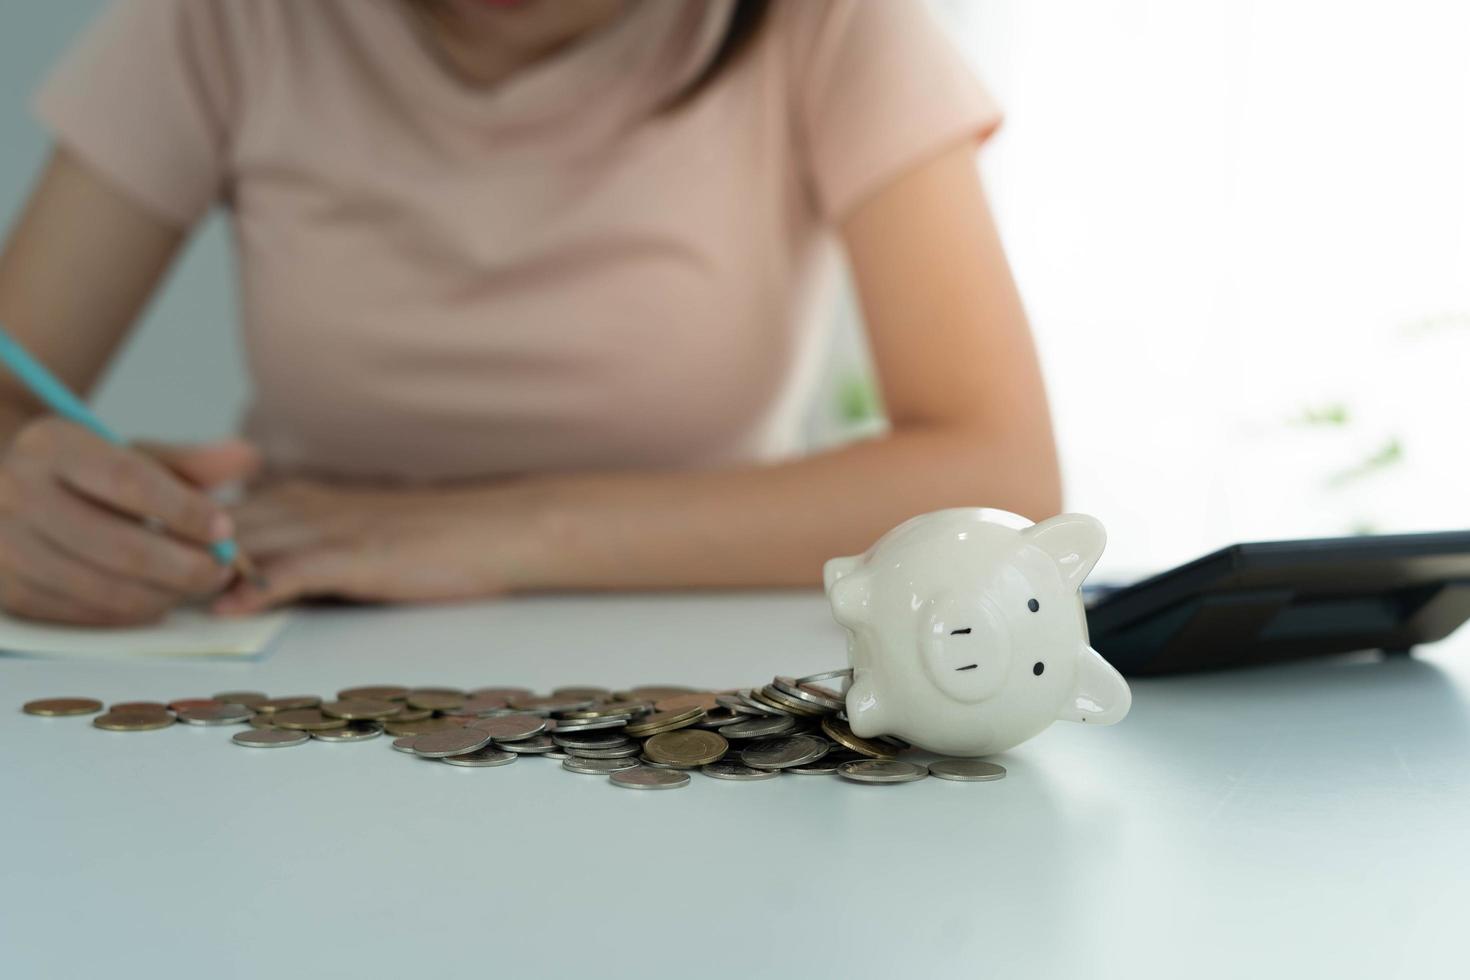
(966, 630)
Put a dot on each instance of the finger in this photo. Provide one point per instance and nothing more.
(269, 540)
(207, 464)
(28, 600)
(117, 545)
(42, 563)
(131, 482)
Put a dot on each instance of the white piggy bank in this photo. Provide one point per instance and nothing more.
(966, 631)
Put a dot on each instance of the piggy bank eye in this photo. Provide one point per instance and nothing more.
(1033, 605)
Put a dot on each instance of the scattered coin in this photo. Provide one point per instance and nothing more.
(481, 758)
(839, 732)
(457, 741)
(421, 726)
(612, 752)
(881, 771)
(581, 693)
(826, 765)
(508, 693)
(59, 707)
(783, 751)
(705, 701)
(216, 714)
(729, 769)
(146, 706)
(509, 728)
(594, 740)
(761, 727)
(598, 767)
(271, 738)
(413, 714)
(357, 731)
(535, 745)
(592, 724)
(664, 721)
(134, 722)
(405, 744)
(306, 719)
(183, 704)
(294, 703)
(688, 747)
(376, 692)
(248, 698)
(479, 705)
(436, 699)
(967, 770)
(646, 778)
(355, 709)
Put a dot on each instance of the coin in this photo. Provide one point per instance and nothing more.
(828, 675)
(881, 771)
(507, 693)
(375, 692)
(727, 769)
(595, 740)
(154, 707)
(479, 705)
(646, 778)
(656, 692)
(481, 758)
(217, 714)
(294, 703)
(704, 700)
(783, 751)
(509, 728)
(306, 719)
(134, 722)
(58, 707)
(421, 726)
(534, 745)
(581, 692)
(838, 731)
(608, 708)
(826, 765)
(811, 694)
(405, 744)
(360, 709)
(412, 714)
(436, 699)
(762, 727)
(457, 741)
(664, 721)
(966, 770)
(686, 747)
(719, 718)
(185, 703)
(591, 724)
(262, 722)
(272, 738)
(248, 698)
(551, 705)
(612, 752)
(598, 767)
(357, 731)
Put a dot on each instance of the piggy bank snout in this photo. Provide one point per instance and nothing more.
(966, 648)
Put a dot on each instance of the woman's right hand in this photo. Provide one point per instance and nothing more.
(74, 546)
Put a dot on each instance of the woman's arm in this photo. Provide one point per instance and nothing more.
(969, 428)
(80, 263)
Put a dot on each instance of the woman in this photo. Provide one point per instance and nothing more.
(528, 292)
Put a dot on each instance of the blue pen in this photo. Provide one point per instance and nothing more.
(55, 395)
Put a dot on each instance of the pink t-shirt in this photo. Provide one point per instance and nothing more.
(443, 282)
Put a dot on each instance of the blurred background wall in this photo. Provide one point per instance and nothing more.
(1242, 230)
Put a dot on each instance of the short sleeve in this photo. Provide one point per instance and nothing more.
(878, 88)
(146, 97)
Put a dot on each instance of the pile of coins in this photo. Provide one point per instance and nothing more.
(647, 737)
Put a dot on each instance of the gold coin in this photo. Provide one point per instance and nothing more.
(412, 714)
(248, 698)
(422, 726)
(133, 706)
(608, 708)
(655, 692)
(137, 721)
(839, 731)
(704, 700)
(294, 703)
(376, 692)
(664, 721)
(687, 747)
(360, 709)
(306, 720)
(435, 699)
(58, 707)
(193, 704)
(582, 691)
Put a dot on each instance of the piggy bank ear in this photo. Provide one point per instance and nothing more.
(1075, 542)
(847, 593)
(1101, 696)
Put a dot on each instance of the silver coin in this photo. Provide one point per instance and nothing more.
(646, 778)
(826, 675)
(966, 770)
(827, 764)
(729, 769)
(510, 728)
(535, 745)
(216, 714)
(655, 764)
(357, 731)
(405, 744)
(450, 741)
(718, 719)
(789, 687)
(269, 738)
(481, 758)
(598, 767)
(881, 771)
(600, 740)
(556, 754)
(762, 706)
(783, 751)
(611, 752)
(763, 727)
(568, 725)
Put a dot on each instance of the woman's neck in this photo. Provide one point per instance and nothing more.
(484, 44)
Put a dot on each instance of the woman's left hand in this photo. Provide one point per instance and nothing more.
(313, 539)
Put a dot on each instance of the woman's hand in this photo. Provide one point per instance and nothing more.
(380, 545)
(73, 544)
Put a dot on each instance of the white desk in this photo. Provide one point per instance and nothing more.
(1310, 820)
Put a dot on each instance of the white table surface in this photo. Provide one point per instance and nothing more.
(1306, 820)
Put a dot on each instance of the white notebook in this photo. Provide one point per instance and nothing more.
(185, 633)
